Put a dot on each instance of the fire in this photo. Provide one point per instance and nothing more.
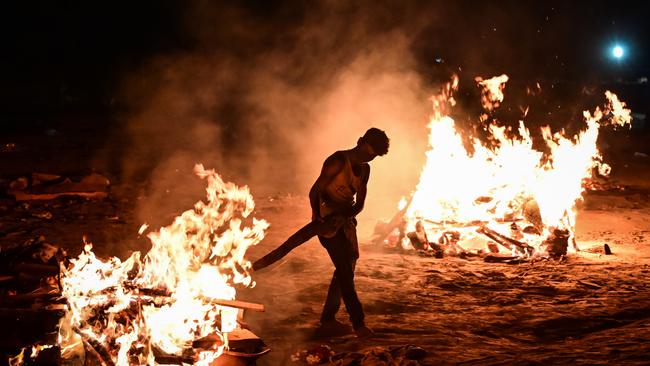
(508, 186)
(168, 298)
(492, 91)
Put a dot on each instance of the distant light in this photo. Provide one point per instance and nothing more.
(618, 52)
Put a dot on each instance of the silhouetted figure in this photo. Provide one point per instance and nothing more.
(337, 196)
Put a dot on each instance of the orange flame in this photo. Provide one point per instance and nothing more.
(199, 257)
(492, 91)
(508, 182)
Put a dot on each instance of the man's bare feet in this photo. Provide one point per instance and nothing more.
(334, 328)
(364, 332)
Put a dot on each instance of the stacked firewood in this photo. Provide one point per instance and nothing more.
(392, 233)
(31, 306)
(30, 301)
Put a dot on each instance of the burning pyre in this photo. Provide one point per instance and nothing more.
(133, 311)
(505, 192)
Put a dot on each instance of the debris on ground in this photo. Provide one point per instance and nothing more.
(30, 300)
(40, 186)
(402, 355)
(608, 250)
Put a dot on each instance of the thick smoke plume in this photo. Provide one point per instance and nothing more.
(264, 102)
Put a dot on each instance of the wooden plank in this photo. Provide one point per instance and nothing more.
(36, 269)
(6, 278)
(504, 240)
(238, 304)
(20, 298)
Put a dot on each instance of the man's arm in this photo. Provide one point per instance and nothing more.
(363, 190)
(331, 167)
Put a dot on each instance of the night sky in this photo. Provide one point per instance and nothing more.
(66, 57)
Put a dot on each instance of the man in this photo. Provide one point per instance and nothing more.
(337, 196)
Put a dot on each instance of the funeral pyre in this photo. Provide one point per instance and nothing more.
(503, 195)
(158, 306)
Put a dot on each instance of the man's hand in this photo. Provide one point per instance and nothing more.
(329, 226)
(352, 211)
(315, 216)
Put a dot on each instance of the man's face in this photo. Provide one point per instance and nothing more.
(367, 153)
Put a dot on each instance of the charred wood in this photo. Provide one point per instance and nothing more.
(298, 238)
(102, 353)
(93, 352)
(505, 241)
(455, 223)
(27, 298)
(557, 243)
(18, 312)
(608, 250)
(493, 247)
(498, 259)
(36, 269)
(383, 229)
(419, 238)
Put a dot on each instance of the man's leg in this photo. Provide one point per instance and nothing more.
(332, 302)
(342, 254)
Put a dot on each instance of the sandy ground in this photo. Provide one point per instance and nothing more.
(589, 309)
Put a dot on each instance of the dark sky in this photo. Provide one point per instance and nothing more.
(147, 88)
(58, 52)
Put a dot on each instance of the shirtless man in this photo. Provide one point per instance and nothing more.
(337, 196)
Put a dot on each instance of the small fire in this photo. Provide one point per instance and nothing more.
(19, 359)
(492, 91)
(164, 301)
(507, 187)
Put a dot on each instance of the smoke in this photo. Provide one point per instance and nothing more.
(265, 99)
(264, 93)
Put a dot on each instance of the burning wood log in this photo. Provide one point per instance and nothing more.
(383, 229)
(557, 243)
(449, 239)
(505, 241)
(419, 238)
(160, 298)
(455, 223)
(102, 353)
(47, 187)
(298, 238)
(91, 349)
(23, 298)
(15, 312)
(498, 259)
(492, 247)
(238, 304)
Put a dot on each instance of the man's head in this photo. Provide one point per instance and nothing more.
(373, 143)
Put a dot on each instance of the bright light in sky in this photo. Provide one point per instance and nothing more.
(617, 51)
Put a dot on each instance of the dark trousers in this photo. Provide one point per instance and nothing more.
(344, 253)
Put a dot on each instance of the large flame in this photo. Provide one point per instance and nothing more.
(507, 181)
(167, 299)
